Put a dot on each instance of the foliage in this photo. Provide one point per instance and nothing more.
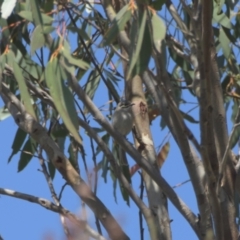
(60, 66)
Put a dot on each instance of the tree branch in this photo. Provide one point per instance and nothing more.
(62, 164)
(54, 208)
(177, 202)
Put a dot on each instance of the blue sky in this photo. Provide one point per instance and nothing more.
(24, 220)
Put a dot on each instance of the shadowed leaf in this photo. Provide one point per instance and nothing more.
(63, 98)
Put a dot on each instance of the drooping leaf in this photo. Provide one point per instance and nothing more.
(38, 39)
(105, 168)
(27, 153)
(225, 43)
(114, 180)
(157, 5)
(74, 61)
(162, 123)
(19, 139)
(72, 154)
(235, 137)
(141, 46)
(47, 29)
(236, 134)
(51, 170)
(105, 138)
(37, 17)
(92, 85)
(188, 117)
(159, 31)
(25, 96)
(60, 131)
(220, 17)
(48, 5)
(181, 62)
(28, 15)
(80, 31)
(118, 25)
(63, 98)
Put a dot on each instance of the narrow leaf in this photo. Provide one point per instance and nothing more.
(25, 96)
(225, 43)
(29, 16)
(118, 25)
(37, 17)
(76, 62)
(38, 39)
(159, 31)
(188, 117)
(139, 36)
(18, 142)
(63, 98)
(26, 154)
(51, 170)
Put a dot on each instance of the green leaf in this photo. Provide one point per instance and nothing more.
(27, 153)
(36, 14)
(28, 15)
(47, 29)
(19, 139)
(80, 31)
(157, 5)
(105, 168)
(48, 5)
(105, 138)
(51, 170)
(92, 85)
(188, 117)
(72, 154)
(74, 61)
(181, 62)
(141, 52)
(235, 137)
(61, 143)
(225, 43)
(235, 119)
(118, 25)
(159, 31)
(114, 180)
(25, 96)
(38, 39)
(60, 131)
(62, 97)
(220, 17)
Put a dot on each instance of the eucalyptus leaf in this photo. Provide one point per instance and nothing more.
(27, 153)
(63, 98)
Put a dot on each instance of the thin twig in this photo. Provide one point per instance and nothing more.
(54, 208)
(140, 213)
(61, 191)
(47, 177)
(224, 160)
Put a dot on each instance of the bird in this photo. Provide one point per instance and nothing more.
(122, 119)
